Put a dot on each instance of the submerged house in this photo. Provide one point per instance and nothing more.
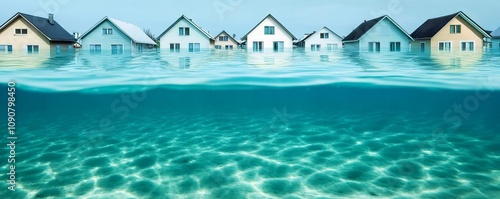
(225, 41)
(495, 41)
(184, 34)
(321, 39)
(115, 36)
(33, 34)
(455, 32)
(381, 34)
(269, 34)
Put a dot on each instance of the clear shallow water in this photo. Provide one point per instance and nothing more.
(349, 127)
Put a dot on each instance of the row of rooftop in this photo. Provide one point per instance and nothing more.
(454, 32)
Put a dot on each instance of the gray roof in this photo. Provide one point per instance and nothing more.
(132, 31)
(244, 38)
(191, 22)
(230, 37)
(309, 35)
(496, 34)
(52, 31)
(366, 26)
(432, 26)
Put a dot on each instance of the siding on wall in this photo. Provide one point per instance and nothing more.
(196, 36)
(96, 37)
(385, 32)
(469, 33)
(19, 42)
(316, 39)
(258, 35)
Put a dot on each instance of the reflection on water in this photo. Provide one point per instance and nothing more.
(238, 67)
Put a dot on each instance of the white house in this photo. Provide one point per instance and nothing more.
(269, 34)
(495, 42)
(323, 39)
(225, 41)
(185, 35)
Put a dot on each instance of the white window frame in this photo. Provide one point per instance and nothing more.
(373, 45)
(325, 35)
(258, 49)
(228, 47)
(444, 49)
(27, 31)
(90, 48)
(107, 31)
(224, 38)
(184, 31)
(194, 47)
(270, 32)
(467, 50)
(218, 47)
(123, 49)
(455, 29)
(315, 47)
(32, 49)
(6, 46)
(395, 46)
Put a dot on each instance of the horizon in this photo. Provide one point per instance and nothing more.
(240, 16)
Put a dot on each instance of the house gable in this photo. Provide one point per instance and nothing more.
(95, 36)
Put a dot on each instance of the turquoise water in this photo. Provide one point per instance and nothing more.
(232, 124)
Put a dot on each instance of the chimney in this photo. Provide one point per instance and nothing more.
(234, 35)
(76, 35)
(51, 19)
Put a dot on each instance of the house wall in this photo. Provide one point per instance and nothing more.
(268, 40)
(385, 32)
(495, 45)
(316, 39)
(469, 33)
(416, 46)
(224, 43)
(351, 46)
(96, 37)
(195, 36)
(19, 42)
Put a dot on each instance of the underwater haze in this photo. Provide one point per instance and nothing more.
(237, 124)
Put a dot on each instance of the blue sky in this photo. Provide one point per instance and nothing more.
(240, 16)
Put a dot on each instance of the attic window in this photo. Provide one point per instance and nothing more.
(107, 31)
(21, 31)
(269, 30)
(455, 29)
(184, 31)
(324, 35)
(223, 38)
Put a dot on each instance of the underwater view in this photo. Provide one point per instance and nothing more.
(238, 124)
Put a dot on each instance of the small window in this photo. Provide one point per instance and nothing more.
(21, 31)
(279, 46)
(455, 29)
(324, 35)
(444, 46)
(315, 47)
(5, 48)
(33, 49)
(258, 46)
(107, 31)
(422, 47)
(224, 38)
(95, 48)
(184, 31)
(229, 47)
(467, 46)
(374, 46)
(218, 47)
(395, 46)
(194, 47)
(269, 30)
(175, 47)
(116, 49)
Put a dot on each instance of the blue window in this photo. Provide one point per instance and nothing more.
(175, 47)
(395, 46)
(223, 38)
(258, 46)
(324, 35)
(116, 49)
(218, 47)
(107, 31)
(184, 31)
(194, 47)
(33, 49)
(95, 48)
(269, 30)
(5, 48)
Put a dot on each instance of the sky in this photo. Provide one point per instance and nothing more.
(240, 16)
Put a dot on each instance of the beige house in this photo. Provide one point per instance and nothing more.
(33, 35)
(456, 32)
(225, 41)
